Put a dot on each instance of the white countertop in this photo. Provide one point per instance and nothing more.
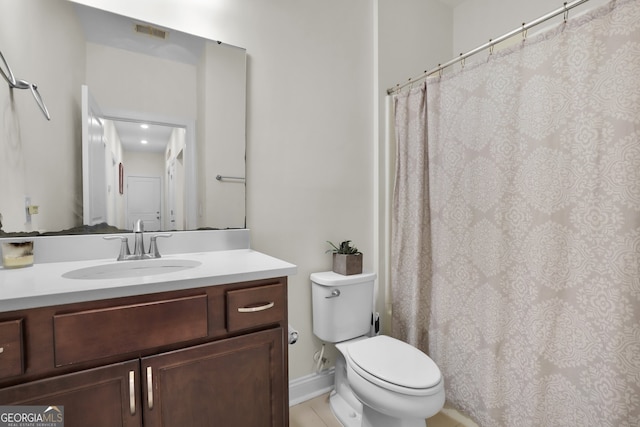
(43, 285)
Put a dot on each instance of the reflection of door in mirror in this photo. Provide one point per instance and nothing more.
(94, 153)
(143, 201)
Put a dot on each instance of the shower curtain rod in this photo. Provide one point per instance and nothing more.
(523, 29)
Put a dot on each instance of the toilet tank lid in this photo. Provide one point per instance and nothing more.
(329, 278)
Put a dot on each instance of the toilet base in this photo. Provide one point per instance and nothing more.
(344, 412)
(373, 418)
(344, 404)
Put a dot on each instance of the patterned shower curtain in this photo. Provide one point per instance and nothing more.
(516, 226)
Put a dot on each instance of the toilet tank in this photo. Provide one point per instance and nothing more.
(342, 305)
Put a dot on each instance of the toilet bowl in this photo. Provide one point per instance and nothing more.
(397, 384)
(379, 381)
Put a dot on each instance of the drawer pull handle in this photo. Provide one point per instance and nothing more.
(149, 387)
(132, 392)
(1, 350)
(254, 309)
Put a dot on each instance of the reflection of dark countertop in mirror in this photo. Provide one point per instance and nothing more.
(102, 228)
(83, 229)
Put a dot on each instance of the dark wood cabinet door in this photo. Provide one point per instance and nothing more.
(102, 397)
(233, 382)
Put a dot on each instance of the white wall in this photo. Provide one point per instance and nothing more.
(477, 21)
(310, 141)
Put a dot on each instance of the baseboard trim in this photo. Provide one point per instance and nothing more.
(310, 386)
(458, 417)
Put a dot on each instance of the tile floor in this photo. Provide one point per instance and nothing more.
(316, 413)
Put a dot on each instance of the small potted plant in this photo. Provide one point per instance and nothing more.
(347, 259)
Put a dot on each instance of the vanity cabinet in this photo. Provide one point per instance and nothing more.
(205, 356)
(99, 397)
(223, 383)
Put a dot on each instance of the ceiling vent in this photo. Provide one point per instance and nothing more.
(151, 31)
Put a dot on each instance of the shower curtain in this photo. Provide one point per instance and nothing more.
(515, 252)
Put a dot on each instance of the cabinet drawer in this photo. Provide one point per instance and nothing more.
(94, 334)
(251, 307)
(11, 349)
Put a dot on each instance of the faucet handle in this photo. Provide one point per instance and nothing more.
(153, 246)
(124, 246)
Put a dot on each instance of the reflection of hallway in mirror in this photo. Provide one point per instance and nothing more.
(150, 149)
(143, 201)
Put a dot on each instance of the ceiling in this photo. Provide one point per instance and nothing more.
(131, 134)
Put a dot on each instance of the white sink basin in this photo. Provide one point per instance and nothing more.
(126, 269)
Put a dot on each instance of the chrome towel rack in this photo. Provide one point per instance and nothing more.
(229, 178)
(14, 83)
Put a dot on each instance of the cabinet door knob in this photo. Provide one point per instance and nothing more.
(149, 387)
(254, 309)
(132, 392)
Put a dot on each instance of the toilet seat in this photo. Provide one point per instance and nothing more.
(394, 365)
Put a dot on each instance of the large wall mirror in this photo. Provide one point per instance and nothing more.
(146, 123)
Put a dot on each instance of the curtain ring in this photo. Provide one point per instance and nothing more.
(462, 61)
(440, 70)
(524, 32)
(566, 13)
(491, 46)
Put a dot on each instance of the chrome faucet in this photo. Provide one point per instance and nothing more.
(138, 244)
(138, 239)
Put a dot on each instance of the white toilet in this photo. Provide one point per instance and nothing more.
(379, 381)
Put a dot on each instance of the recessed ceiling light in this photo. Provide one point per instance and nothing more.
(144, 141)
(144, 126)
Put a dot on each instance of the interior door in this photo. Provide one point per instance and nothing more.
(144, 201)
(94, 162)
